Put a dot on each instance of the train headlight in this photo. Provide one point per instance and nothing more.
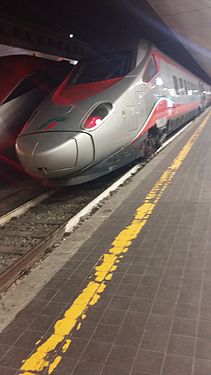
(97, 116)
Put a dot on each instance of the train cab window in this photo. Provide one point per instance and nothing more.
(181, 86)
(102, 68)
(176, 85)
(150, 70)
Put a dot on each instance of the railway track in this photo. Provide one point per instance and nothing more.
(25, 239)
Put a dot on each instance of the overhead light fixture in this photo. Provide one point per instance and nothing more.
(71, 35)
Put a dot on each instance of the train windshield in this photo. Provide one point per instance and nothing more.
(101, 68)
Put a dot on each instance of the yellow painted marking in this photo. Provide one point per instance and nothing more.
(78, 326)
(54, 364)
(66, 345)
(73, 317)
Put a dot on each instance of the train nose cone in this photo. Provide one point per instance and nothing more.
(54, 155)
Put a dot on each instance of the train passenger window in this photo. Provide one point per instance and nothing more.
(150, 70)
(102, 68)
(181, 86)
(176, 85)
(186, 86)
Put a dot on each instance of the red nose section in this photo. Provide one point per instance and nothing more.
(71, 94)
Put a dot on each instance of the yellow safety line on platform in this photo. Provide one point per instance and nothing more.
(45, 355)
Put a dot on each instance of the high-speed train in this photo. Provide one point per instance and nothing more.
(25, 82)
(101, 117)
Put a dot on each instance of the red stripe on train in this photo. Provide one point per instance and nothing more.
(68, 94)
(163, 110)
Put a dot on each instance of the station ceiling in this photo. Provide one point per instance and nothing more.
(96, 23)
(191, 20)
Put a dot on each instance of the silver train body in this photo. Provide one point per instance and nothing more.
(14, 113)
(101, 116)
(25, 82)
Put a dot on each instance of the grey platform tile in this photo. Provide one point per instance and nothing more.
(129, 335)
(193, 273)
(195, 261)
(3, 350)
(191, 283)
(131, 278)
(202, 367)
(204, 329)
(187, 311)
(58, 282)
(46, 294)
(28, 339)
(42, 325)
(186, 327)
(14, 357)
(189, 295)
(151, 281)
(158, 262)
(121, 357)
(159, 323)
(4, 370)
(64, 296)
(125, 290)
(22, 320)
(140, 259)
(110, 370)
(206, 291)
(140, 305)
(113, 317)
(173, 272)
(10, 335)
(105, 333)
(154, 271)
(171, 281)
(203, 348)
(181, 345)
(71, 265)
(53, 309)
(205, 311)
(96, 351)
(146, 293)
(137, 269)
(148, 361)
(154, 341)
(120, 303)
(177, 259)
(94, 314)
(163, 308)
(176, 364)
(167, 294)
(135, 319)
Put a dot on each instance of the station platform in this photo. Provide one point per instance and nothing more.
(129, 292)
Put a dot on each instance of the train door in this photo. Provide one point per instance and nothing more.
(202, 93)
(131, 118)
(146, 93)
(141, 101)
